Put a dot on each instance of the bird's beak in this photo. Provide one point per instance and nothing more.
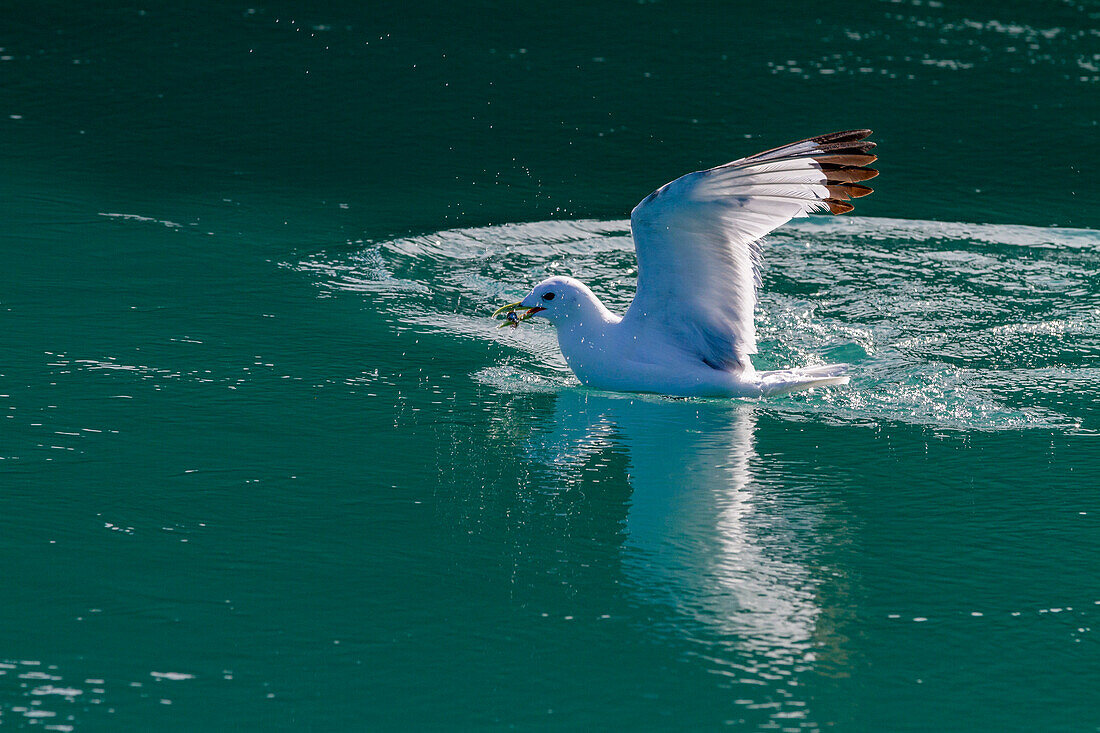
(511, 318)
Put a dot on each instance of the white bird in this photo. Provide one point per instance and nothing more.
(689, 330)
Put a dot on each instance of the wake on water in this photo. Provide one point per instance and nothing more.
(945, 324)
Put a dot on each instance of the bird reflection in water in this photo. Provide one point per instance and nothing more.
(706, 535)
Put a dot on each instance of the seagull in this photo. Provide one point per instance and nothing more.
(689, 331)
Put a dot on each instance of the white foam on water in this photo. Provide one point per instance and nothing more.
(946, 324)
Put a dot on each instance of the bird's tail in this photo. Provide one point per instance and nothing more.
(784, 381)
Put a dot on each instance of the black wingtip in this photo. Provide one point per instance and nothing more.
(845, 136)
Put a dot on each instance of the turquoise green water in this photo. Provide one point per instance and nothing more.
(266, 464)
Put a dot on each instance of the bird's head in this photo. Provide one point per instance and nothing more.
(555, 299)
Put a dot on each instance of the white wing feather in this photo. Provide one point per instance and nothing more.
(697, 239)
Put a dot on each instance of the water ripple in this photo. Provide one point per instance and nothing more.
(947, 324)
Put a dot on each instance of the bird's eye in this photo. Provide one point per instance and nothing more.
(547, 296)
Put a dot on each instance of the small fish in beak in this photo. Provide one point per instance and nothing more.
(511, 318)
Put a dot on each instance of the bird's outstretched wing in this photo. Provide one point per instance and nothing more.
(698, 237)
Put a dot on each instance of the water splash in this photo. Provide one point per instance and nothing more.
(950, 325)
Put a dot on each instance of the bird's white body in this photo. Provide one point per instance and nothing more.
(690, 330)
(621, 354)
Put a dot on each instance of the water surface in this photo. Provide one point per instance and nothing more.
(265, 463)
